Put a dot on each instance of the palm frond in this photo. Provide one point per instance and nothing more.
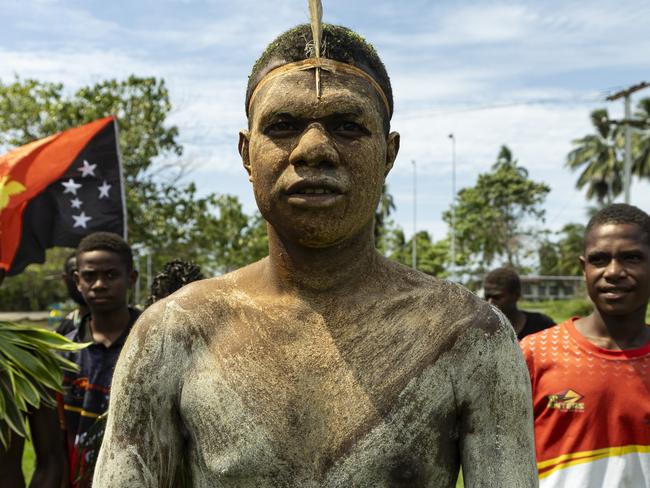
(29, 368)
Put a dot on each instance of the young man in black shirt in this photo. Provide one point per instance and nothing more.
(503, 289)
(104, 276)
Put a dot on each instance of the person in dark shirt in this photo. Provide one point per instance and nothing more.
(502, 289)
(73, 319)
(104, 276)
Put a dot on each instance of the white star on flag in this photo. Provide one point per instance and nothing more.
(76, 203)
(87, 169)
(103, 190)
(81, 220)
(70, 186)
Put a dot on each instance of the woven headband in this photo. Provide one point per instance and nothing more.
(319, 63)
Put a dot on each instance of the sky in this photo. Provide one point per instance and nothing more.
(521, 73)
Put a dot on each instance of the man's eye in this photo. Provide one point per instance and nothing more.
(88, 277)
(598, 261)
(280, 127)
(633, 258)
(350, 127)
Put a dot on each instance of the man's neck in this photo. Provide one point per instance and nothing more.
(617, 332)
(517, 318)
(107, 327)
(334, 270)
(83, 310)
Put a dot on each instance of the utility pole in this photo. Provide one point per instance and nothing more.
(453, 206)
(415, 227)
(628, 122)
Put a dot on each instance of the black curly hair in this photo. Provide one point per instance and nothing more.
(107, 241)
(339, 43)
(175, 275)
(620, 213)
(504, 278)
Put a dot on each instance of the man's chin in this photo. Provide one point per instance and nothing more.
(103, 306)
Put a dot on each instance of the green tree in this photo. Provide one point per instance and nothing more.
(165, 216)
(561, 257)
(491, 216)
(599, 157)
(432, 257)
(382, 217)
(38, 286)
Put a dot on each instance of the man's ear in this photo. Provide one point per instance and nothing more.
(244, 140)
(583, 263)
(392, 148)
(75, 275)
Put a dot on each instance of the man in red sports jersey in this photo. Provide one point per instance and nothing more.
(591, 375)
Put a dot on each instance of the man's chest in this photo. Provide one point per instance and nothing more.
(318, 414)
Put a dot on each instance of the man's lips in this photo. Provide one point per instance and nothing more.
(614, 292)
(101, 298)
(320, 192)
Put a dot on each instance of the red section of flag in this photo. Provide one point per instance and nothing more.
(28, 170)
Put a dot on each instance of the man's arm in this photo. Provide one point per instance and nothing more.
(143, 442)
(11, 472)
(49, 448)
(494, 401)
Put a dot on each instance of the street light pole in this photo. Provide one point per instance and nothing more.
(453, 206)
(415, 228)
(627, 168)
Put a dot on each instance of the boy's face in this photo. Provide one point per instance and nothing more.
(103, 280)
(502, 298)
(616, 267)
(317, 165)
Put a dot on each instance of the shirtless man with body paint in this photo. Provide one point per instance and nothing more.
(324, 364)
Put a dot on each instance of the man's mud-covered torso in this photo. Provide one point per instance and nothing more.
(246, 391)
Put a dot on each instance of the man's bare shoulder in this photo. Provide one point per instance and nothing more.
(440, 303)
(198, 309)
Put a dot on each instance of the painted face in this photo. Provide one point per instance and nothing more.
(103, 280)
(616, 267)
(317, 165)
(503, 299)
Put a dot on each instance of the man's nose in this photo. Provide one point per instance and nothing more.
(100, 283)
(614, 269)
(315, 148)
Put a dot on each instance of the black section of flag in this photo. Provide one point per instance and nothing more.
(88, 198)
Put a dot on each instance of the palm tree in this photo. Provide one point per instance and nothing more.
(599, 156)
(384, 209)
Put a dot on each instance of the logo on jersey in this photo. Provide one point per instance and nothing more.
(567, 401)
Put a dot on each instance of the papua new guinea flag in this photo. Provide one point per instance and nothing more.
(57, 190)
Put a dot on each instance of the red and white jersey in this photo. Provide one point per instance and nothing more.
(592, 410)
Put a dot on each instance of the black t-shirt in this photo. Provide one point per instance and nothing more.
(535, 322)
(69, 323)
